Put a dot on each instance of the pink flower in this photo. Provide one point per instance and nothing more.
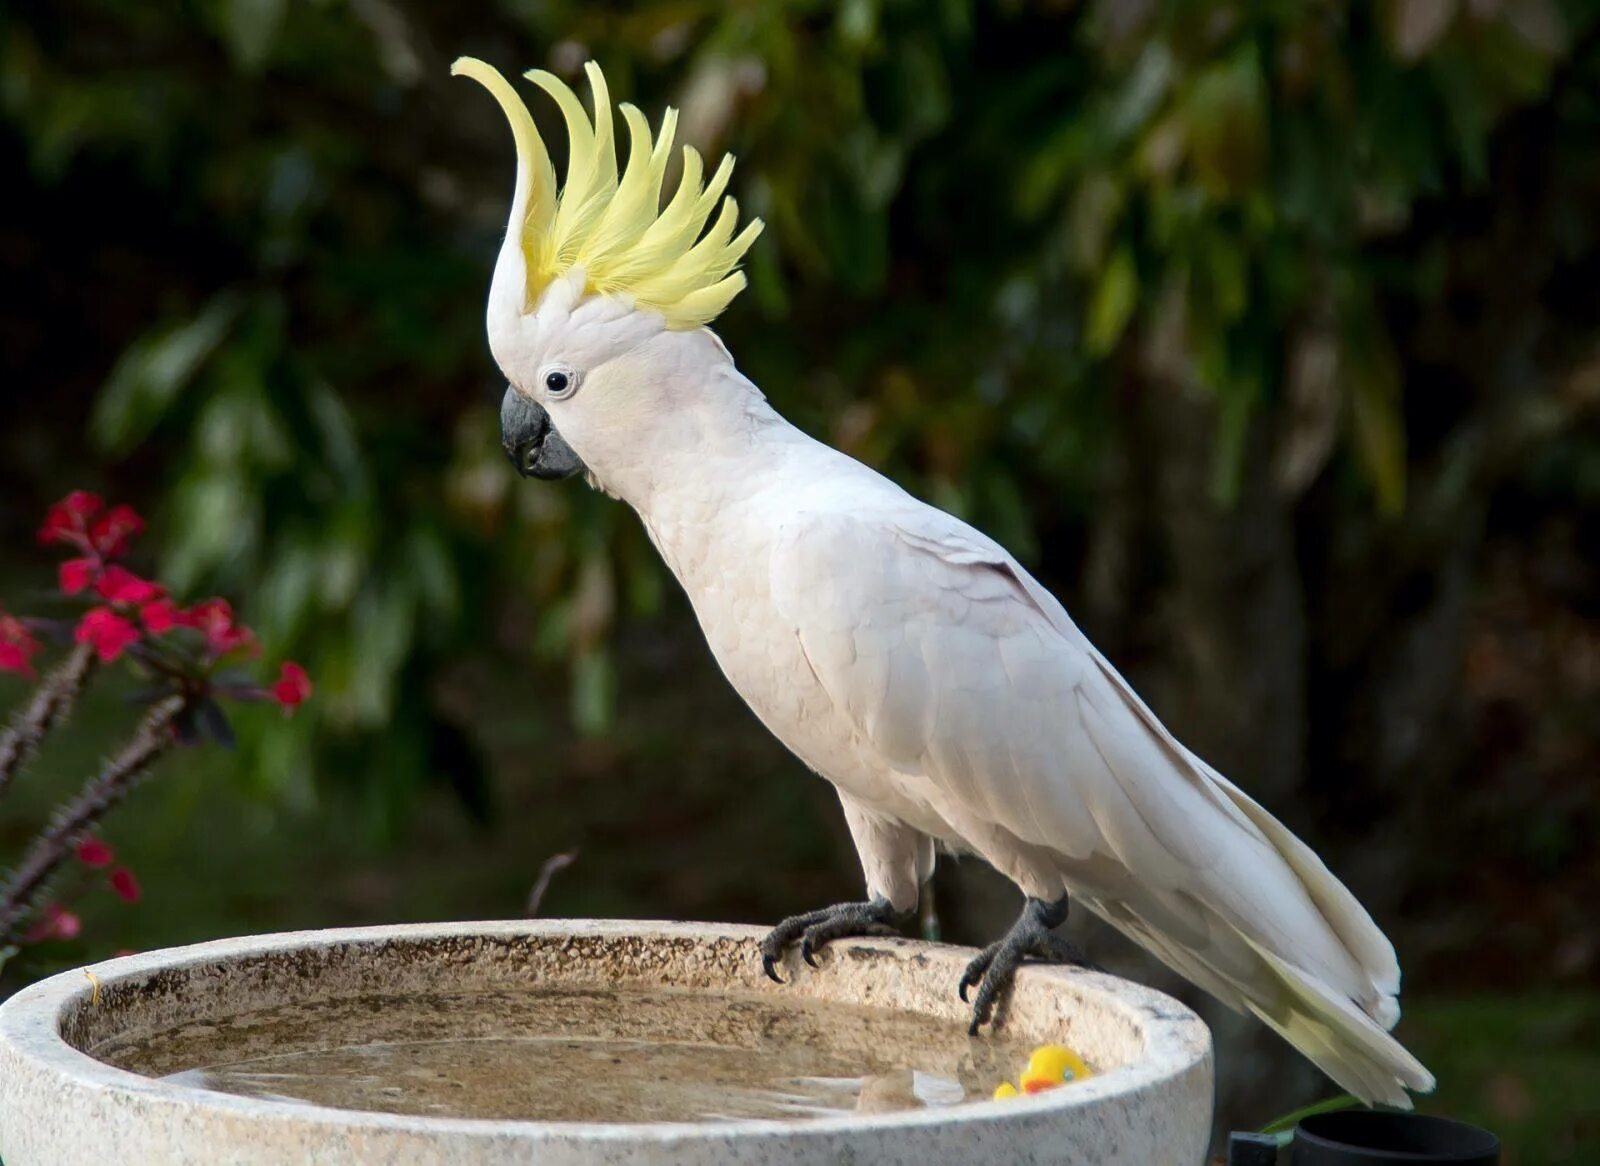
(120, 585)
(109, 534)
(109, 633)
(17, 646)
(162, 615)
(94, 853)
(224, 634)
(115, 531)
(293, 686)
(76, 574)
(126, 887)
(67, 521)
(54, 922)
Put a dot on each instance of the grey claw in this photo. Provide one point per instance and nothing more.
(816, 929)
(994, 968)
(769, 965)
(973, 975)
(996, 981)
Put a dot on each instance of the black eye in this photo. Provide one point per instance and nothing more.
(557, 382)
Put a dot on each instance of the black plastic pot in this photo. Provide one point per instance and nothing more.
(1356, 1137)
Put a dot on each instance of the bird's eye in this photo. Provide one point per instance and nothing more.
(557, 382)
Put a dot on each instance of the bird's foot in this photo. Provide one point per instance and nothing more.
(1031, 936)
(814, 929)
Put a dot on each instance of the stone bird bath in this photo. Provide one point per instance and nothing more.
(562, 1041)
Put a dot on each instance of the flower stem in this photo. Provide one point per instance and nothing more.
(49, 706)
(53, 844)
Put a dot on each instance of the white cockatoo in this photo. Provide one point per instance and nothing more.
(900, 653)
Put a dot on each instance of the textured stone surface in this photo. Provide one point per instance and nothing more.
(1151, 1103)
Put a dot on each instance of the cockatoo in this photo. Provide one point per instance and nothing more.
(900, 653)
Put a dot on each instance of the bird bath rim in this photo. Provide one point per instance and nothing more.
(38, 1024)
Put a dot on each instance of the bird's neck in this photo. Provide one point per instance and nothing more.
(711, 464)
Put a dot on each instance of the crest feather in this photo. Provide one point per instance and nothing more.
(615, 227)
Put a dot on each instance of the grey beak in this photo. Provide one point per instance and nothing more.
(531, 441)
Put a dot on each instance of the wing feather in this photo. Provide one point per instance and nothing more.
(957, 670)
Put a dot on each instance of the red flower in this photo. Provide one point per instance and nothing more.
(124, 884)
(76, 574)
(114, 532)
(68, 519)
(223, 633)
(120, 585)
(108, 632)
(94, 853)
(162, 615)
(54, 922)
(293, 686)
(17, 645)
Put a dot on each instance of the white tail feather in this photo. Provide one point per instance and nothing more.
(1344, 1041)
(1344, 1031)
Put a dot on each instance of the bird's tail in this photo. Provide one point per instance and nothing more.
(1343, 1034)
(1344, 1041)
(1348, 1039)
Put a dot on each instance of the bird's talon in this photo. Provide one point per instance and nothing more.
(993, 969)
(769, 966)
(816, 929)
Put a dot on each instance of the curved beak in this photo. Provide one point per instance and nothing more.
(531, 441)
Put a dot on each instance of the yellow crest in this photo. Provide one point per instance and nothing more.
(616, 230)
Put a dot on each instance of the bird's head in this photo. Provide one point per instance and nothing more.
(600, 294)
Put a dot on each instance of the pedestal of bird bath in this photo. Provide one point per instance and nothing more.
(651, 1042)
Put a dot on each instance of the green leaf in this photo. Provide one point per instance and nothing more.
(1226, 121)
(250, 28)
(1095, 210)
(1375, 411)
(435, 572)
(1227, 276)
(288, 590)
(341, 449)
(239, 425)
(152, 372)
(593, 691)
(384, 626)
(858, 22)
(1114, 300)
(1286, 1123)
(215, 516)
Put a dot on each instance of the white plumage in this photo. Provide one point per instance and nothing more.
(948, 695)
(912, 662)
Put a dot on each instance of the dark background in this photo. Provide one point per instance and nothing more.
(1265, 333)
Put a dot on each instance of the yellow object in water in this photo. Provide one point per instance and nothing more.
(1052, 1065)
(1048, 1067)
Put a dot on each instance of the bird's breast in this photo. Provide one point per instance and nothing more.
(725, 569)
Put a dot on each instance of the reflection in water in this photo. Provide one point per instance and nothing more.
(581, 1054)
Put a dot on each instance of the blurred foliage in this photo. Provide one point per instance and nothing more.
(984, 219)
(1518, 1067)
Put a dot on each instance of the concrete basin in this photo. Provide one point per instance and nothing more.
(577, 1041)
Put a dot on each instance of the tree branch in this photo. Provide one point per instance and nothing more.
(53, 844)
(49, 706)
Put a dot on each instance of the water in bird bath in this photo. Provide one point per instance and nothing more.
(584, 1054)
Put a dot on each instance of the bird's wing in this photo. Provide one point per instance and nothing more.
(931, 644)
(954, 666)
